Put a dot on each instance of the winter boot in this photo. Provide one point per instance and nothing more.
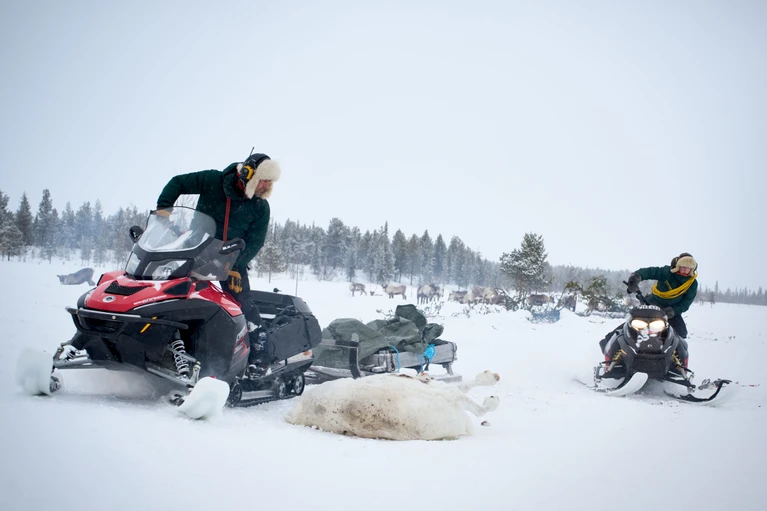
(258, 361)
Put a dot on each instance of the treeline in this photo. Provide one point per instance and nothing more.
(744, 296)
(97, 239)
(375, 256)
(338, 251)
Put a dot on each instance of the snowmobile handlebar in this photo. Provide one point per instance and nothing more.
(638, 294)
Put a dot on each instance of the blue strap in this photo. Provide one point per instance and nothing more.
(398, 362)
(428, 354)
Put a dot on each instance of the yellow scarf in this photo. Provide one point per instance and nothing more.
(674, 293)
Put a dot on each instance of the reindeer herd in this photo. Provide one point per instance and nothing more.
(427, 293)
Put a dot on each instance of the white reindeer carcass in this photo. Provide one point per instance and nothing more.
(393, 406)
(395, 289)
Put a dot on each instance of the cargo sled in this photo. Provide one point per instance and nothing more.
(352, 349)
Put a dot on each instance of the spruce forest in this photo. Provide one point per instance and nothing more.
(87, 237)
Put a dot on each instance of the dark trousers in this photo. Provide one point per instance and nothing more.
(252, 315)
(677, 323)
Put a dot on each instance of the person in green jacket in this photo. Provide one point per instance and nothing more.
(236, 199)
(674, 290)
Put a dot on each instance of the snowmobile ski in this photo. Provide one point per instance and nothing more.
(626, 387)
(719, 396)
(34, 373)
(206, 399)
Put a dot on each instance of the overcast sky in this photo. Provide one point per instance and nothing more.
(623, 132)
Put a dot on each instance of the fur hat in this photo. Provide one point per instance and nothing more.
(684, 259)
(266, 169)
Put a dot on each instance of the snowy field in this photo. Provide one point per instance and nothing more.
(105, 442)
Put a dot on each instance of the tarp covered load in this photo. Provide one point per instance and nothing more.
(407, 331)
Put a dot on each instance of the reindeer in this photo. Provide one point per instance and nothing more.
(355, 286)
(425, 293)
(393, 406)
(456, 296)
(536, 300)
(394, 289)
(78, 277)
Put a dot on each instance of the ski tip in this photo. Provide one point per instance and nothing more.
(206, 400)
(33, 372)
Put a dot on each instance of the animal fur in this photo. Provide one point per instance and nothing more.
(78, 277)
(393, 406)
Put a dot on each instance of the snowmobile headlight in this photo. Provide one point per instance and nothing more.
(164, 271)
(655, 326)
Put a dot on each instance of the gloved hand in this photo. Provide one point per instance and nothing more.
(669, 311)
(234, 282)
(163, 212)
(633, 283)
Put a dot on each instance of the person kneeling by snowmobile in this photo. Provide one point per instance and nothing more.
(673, 292)
(236, 199)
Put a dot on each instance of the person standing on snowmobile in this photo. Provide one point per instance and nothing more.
(674, 290)
(236, 199)
(674, 293)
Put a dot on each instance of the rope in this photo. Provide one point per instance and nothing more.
(673, 293)
(398, 363)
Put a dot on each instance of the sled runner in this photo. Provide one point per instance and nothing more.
(442, 353)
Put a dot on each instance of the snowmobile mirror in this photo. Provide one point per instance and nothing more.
(135, 233)
(232, 246)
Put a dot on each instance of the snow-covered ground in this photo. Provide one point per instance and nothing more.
(105, 442)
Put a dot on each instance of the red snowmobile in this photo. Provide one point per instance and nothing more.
(164, 315)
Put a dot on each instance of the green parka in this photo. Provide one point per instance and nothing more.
(248, 218)
(666, 282)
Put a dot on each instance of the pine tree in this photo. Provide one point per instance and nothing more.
(426, 249)
(271, 259)
(5, 213)
(526, 266)
(336, 241)
(100, 235)
(399, 249)
(66, 232)
(11, 238)
(440, 253)
(84, 231)
(46, 222)
(455, 260)
(24, 220)
(413, 257)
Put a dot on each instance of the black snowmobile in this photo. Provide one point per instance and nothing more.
(163, 315)
(646, 347)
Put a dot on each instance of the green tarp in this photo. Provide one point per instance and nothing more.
(408, 330)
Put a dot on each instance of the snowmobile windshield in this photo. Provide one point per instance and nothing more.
(176, 229)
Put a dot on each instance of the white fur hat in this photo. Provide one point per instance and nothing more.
(266, 170)
(684, 259)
